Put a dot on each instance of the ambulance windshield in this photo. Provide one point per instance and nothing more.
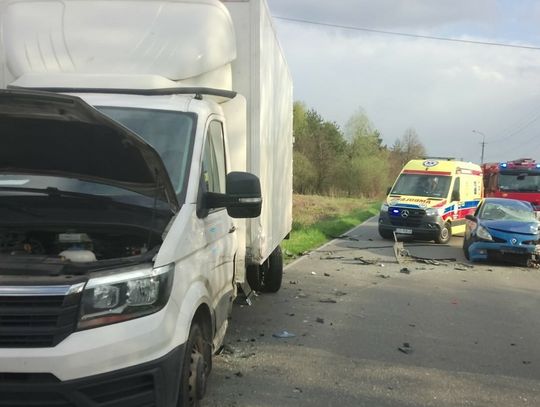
(435, 186)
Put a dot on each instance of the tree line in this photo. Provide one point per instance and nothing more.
(349, 162)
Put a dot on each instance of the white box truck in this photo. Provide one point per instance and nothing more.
(136, 141)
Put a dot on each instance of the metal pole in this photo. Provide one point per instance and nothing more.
(483, 143)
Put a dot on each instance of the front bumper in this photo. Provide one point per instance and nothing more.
(483, 250)
(423, 228)
(152, 384)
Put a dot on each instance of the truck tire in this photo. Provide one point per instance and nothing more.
(444, 234)
(254, 277)
(195, 369)
(386, 234)
(272, 275)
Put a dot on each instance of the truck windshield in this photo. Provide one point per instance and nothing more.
(422, 185)
(170, 133)
(519, 182)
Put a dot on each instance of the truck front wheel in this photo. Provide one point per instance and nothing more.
(196, 367)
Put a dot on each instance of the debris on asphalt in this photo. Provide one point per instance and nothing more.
(320, 320)
(239, 374)
(291, 314)
(405, 348)
(339, 293)
(332, 258)
(526, 362)
(513, 344)
(283, 335)
(297, 390)
(405, 270)
(326, 275)
(460, 268)
(346, 237)
(468, 266)
(364, 262)
(313, 273)
(293, 282)
(328, 300)
(383, 276)
(412, 325)
(381, 265)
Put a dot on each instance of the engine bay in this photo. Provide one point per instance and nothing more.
(79, 245)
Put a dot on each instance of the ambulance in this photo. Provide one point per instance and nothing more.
(430, 199)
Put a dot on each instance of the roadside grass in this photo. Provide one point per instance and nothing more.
(318, 219)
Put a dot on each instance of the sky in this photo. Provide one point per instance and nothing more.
(453, 94)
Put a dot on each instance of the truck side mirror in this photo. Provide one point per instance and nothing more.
(472, 218)
(243, 198)
(245, 189)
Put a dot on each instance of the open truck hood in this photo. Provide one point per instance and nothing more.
(43, 133)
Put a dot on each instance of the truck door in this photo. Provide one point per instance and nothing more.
(218, 226)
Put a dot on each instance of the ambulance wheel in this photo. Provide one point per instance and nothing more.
(196, 368)
(272, 272)
(444, 234)
(386, 234)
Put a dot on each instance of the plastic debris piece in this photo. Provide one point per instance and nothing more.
(313, 273)
(320, 320)
(328, 300)
(383, 276)
(405, 270)
(326, 275)
(283, 335)
(405, 348)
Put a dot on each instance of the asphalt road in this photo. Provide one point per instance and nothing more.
(368, 335)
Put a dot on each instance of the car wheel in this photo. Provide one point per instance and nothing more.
(386, 234)
(196, 368)
(444, 234)
(466, 245)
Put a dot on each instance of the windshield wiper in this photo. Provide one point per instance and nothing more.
(55, 192)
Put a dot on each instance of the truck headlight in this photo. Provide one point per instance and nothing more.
(432, 212)
(482, 233)
(125, 295)
(384, 207)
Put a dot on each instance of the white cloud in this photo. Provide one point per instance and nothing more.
(388, 13)
(443, 90)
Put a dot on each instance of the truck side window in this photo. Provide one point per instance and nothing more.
(214, 159)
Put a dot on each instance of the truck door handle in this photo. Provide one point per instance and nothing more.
(232, 229)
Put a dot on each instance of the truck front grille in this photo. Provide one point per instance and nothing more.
(37, 321)
(413, 216)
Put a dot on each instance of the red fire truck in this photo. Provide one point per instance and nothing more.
(518, 179)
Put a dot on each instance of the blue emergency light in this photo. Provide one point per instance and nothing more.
(504, 165)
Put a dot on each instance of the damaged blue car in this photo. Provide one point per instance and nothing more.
(502, 230)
